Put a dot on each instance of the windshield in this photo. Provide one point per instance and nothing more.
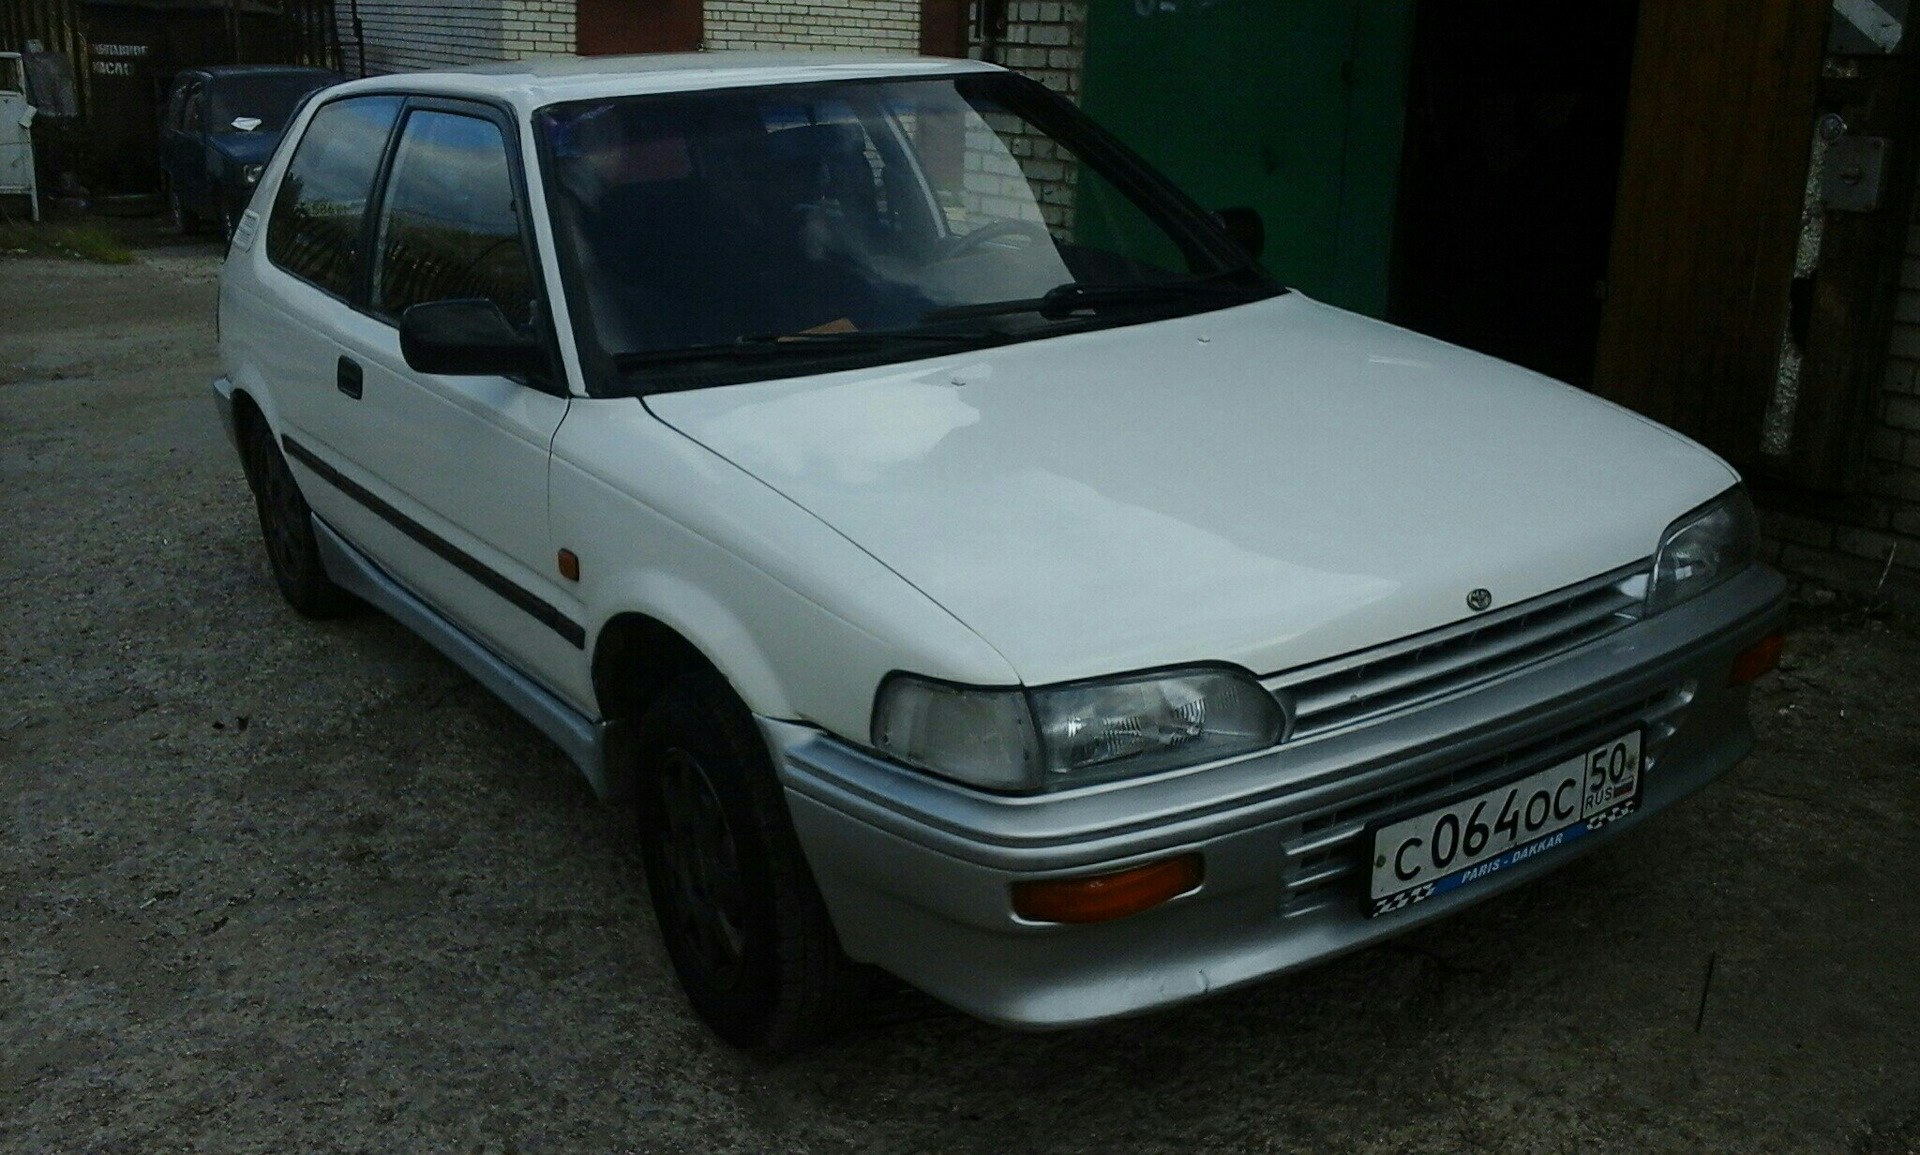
(270, 98)
(749, 233)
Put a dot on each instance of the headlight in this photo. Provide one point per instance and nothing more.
(1065, 736)
(1703, 549)
(251, 173)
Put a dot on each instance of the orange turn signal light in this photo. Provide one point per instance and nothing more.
(1756, 659)
(1103, 897)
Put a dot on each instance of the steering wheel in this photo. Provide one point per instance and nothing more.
(960, 246)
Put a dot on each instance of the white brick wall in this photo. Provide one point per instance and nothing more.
(843, 25)
(408, 34)
(1046, 41)
(537, 28)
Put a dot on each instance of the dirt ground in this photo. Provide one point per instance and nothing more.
(267, 885)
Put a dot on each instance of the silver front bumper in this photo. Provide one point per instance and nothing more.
(917, 872)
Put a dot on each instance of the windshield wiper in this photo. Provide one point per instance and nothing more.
(774, 346)
(1063, 301)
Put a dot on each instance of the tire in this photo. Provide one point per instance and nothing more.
(742, 920)
(286, 529)
(186, 223)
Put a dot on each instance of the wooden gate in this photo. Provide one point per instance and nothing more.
(606, 27)
(1712, 177)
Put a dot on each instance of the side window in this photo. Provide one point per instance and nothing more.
(449, 226)
(314, 232)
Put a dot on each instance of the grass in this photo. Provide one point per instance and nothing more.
(81, 242)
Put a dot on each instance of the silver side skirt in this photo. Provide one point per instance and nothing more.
(592, 745)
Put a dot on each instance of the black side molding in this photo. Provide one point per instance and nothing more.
(540, 611)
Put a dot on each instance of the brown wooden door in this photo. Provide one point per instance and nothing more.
(607, 27)
(1712, 176)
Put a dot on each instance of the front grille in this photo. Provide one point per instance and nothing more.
(1362, 686)
(1326, 852)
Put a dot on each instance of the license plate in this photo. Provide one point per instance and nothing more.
(1454, 846)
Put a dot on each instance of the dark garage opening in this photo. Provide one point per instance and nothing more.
(1515, 117)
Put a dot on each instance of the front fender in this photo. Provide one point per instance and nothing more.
(801, 622)
(708, 625)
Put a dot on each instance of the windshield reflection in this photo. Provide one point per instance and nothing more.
(699, 220)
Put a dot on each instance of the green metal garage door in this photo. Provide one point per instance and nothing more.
(1294, 107)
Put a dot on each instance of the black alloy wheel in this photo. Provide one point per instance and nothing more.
(742, 920)
(700, 862)
(286, 529)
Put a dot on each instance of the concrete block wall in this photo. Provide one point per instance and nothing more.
(1874, 543)
(815, 25)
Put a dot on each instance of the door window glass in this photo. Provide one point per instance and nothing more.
(318, 212)
(450, 227)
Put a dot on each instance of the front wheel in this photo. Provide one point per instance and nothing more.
(742, 920)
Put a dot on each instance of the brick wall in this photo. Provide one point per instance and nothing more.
(1046, 41)
(844, 25)
(412, 34)
(1875, 535)
(536, 28)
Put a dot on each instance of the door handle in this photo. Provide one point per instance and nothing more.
(350, 379)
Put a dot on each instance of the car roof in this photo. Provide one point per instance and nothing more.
(218, 71)
(530, 84)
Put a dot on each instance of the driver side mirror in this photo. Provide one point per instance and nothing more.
(1245, 227)
(466, 338)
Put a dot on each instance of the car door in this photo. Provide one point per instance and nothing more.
(190, 174)
(460, 462)
(178, 153)
(303, 288)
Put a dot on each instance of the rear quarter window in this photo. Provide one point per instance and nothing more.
(320, 209)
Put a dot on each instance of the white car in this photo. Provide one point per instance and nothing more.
(967, 557)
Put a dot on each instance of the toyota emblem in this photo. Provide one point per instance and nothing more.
(1478, 600)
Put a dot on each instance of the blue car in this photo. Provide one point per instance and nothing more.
(220, 127)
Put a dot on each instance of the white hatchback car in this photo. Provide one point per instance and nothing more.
(968, 558)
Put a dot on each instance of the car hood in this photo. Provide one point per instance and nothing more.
(244, 147)
(1266, 485)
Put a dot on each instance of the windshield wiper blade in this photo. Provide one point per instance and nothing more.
(859, 337)
(773, 346)
(1063, 301)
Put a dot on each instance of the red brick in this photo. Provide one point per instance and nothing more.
(1796, 529)
(1900, 376)
(1895, 481)
(1864, 543)
(1854, 574)
(1903, 412)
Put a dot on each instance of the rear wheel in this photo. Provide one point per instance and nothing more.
(286, 529)
(739, 912)
(186, 222)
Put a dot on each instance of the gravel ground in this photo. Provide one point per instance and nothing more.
(267, 885)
